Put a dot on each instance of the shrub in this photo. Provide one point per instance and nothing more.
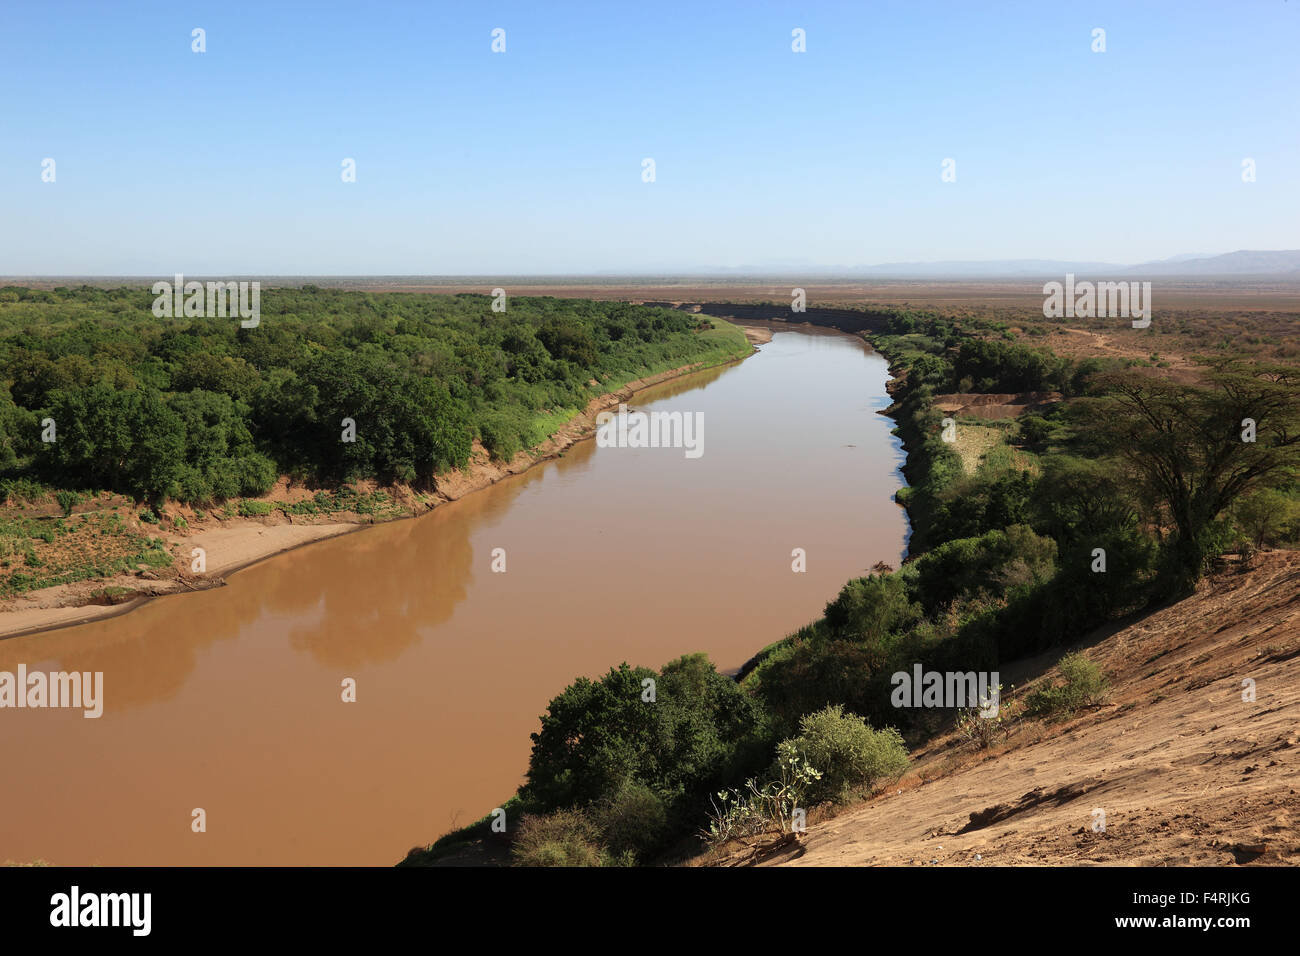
(1034, 430)
(634, 820)
(849, 754)
(563, 838)
(501, 433)
(773, 806)
(807, 674)
(994, 563)
(983, 730)
(67, 501)
(870, 608)
(1083, 685)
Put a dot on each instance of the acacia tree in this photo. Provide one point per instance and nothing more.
(1196, 449)
(1264, 515)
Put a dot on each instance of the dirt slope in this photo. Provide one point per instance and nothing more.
(1185, 770)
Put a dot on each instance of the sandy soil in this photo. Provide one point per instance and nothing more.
(1186, 772)
(993, 406)
(229, 547)
(234, 543)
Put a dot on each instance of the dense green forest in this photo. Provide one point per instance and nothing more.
(200, 409)
(1157, 476)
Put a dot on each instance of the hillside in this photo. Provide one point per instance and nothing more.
(1186, 772)
(1241, 262)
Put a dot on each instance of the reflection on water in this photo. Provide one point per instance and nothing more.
(230, 699)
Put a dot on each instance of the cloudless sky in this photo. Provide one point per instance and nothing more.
(530, 161)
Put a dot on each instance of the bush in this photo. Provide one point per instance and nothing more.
(1084, 685)
(778, 805)
(993, 563)
(563, 838)
(67, 501)
(1034, 430)
(500, 433)
(849, 754)
(598, 737)
(634, 821)
(797, 678)
(981, 729)
(870, 608)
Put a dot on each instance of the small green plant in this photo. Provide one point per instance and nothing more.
(67, 501)
(756, 809)
(250, 509)
(1083, 685)
(983, 725)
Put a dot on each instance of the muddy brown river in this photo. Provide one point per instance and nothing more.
(230, 700)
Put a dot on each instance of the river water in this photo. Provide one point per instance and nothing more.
(230, 700)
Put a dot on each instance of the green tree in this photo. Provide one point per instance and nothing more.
(1264, 515)
(127, 441)
(1187, 445)
(599, 737)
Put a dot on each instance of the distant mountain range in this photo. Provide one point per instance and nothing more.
(1241, 263)
(1279, 264)
(1244, 262)
(1284, 262)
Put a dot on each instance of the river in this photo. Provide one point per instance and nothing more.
(230, 700)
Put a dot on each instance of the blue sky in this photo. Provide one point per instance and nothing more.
(529, 162)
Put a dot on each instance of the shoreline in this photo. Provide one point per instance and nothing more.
(238, 542)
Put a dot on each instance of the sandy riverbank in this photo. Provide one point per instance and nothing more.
(233, 543)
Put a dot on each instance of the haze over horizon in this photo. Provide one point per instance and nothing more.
(529, 162)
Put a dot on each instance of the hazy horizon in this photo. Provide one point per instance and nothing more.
(946, 270)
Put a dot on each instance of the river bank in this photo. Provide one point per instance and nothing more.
(230, 543)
